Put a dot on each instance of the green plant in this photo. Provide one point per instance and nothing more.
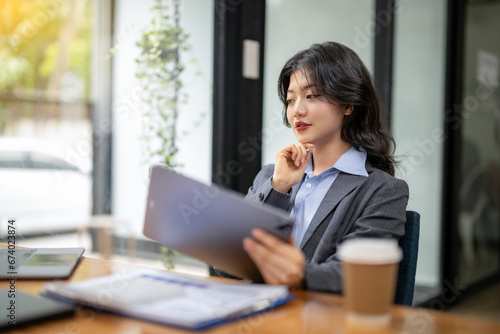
(159, 69)
(167, 257)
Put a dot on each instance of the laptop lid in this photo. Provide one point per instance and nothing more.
(208, 222)
(20, 309)
(39, 263)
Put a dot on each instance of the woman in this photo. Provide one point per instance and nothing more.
(338, 181)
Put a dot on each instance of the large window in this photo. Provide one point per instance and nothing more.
(130, 171)
(294, 25)
(417, 121)
(479, 196)
(45, 144)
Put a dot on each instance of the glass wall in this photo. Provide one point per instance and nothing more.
(417, 121)
(418, 92)
(479, 217)
(45, 128)
(294, 25)
(131, 115)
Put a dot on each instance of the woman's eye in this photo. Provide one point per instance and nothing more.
(288, 102)
(309, 97)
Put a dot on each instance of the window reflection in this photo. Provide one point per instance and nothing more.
(479, 218)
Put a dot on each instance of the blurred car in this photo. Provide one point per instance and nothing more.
(43, 191)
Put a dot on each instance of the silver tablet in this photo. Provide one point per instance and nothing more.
(39, 263)
(208, 222)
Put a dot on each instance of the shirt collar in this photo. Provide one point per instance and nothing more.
(351, 162)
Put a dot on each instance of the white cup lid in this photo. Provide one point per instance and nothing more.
(370, 251)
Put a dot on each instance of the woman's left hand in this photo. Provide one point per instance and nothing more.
(278, 262)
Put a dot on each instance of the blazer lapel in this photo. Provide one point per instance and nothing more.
(341, 187)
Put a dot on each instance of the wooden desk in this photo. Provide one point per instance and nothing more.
(310, 312)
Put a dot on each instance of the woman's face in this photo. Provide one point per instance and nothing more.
(313, 119)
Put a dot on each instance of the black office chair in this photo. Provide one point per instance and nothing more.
(408, 266)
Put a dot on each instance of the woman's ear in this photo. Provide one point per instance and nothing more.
(348, 109)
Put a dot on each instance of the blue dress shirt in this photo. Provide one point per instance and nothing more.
(314, 188)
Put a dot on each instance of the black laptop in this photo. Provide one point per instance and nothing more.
(20, 309)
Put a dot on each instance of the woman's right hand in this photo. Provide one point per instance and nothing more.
(291, 163)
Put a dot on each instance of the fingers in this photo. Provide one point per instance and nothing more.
(298, 154)
(295, 154)
(309, 149)
(278, 261)
(277, 246)
(267, 263)
(301, 155)
(304, 155)
(268, 240)
(306, 152)
(291, 162)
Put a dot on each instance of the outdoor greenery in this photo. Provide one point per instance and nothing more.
(35, 36)
(41, 42)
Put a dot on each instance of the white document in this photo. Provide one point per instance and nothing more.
(170, 298)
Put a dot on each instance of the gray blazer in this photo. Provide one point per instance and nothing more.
(354, 207)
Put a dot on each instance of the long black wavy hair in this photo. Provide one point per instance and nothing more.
(340, 77)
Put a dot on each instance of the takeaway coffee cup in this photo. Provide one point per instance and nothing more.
(370, 268)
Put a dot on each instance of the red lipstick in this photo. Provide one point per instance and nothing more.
(301, 126)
